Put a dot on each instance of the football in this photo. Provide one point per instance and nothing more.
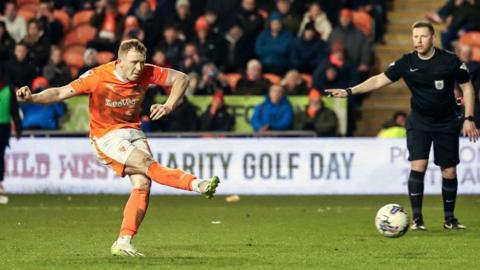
(392, 220)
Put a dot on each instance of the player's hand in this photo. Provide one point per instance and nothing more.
(158, 111)
(24, 94)
(470, 131)
(337, 93)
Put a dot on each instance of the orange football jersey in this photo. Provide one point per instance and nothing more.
(114, 103)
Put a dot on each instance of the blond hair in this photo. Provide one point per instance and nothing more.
(131, 44)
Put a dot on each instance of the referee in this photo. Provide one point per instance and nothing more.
(430, 73)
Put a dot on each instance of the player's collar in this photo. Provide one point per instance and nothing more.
(429, 57)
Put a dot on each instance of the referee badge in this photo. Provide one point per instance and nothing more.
(439, 85)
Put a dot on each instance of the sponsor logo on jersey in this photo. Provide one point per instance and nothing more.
(126, 102)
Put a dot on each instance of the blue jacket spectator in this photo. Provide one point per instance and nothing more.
(275, 113)
(36, 116)
(308, 50)
(273, 46)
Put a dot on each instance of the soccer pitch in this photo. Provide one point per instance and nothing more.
(259, 232)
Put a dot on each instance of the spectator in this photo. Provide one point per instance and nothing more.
(212, 81)
(183, 19)
(249, 19)
(239, 50)
(183, 118)
(464, 18)
(209, 46)
(216, 117)
(290, 19)
(57, 72)
(36, 116)
(308, 50)
(356, 44)
(21, 71)
(253, 82)
(7, 44)
(319, 19)
(145, 16)
(214, 27)
(334, 71)
(275, 113)
(159, 58)
(172, 45)
(133, 29)
(395, 127)
(317, 117)
(53, 27)
(37, 43)
(191, 59)
(223, 9)
(110, 25)
(16, 25)
(89, 60)
(273, 46)
(294, 84)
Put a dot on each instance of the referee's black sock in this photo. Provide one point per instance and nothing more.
(449, 194)
(415, 192)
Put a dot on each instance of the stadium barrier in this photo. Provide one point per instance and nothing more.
(246, 165)
(241, 107)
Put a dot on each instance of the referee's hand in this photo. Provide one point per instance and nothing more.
(470, 131)
(337, 93)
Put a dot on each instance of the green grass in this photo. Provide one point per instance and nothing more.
(324, 232)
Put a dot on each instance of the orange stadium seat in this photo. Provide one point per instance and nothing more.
(364, 22)
(471, 39)
(104, 57)
(263, 13)
(74, 71)
(80, 35)
(63, 17)
(82, 17)
(308, 79)
(273, 78)
(28, 11)
(73, 55)
(232, 79)
(24, 2)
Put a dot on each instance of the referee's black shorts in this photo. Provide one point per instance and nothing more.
(445, 146)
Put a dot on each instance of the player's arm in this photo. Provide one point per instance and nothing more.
(179, 83)
(50, 95)
(373, 83)
(469, 128)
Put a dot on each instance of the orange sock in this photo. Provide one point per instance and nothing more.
(134, 212)
(170, 177)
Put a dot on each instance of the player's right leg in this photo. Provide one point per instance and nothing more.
(133, 215)
(140, 162)
(418, 144)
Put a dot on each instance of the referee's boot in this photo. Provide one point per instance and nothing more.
(418, 224)
(452, 223)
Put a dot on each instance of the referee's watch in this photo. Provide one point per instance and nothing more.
(469, 118)
(349, 91)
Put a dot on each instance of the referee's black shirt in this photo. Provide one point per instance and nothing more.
(432, 83)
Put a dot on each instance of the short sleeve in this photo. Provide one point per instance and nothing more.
(156, 75)
(394, 71)
(86, 83)
(461, 72)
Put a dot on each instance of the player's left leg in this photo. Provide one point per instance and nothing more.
(140, 161)
(133, 215)
(449, 196)
(446, 151)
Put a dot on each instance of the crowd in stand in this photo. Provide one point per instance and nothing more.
(274, 48)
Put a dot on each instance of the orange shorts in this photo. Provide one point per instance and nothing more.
(114, 148)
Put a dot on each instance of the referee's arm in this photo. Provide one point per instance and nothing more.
(469, 128)
(374, 83)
